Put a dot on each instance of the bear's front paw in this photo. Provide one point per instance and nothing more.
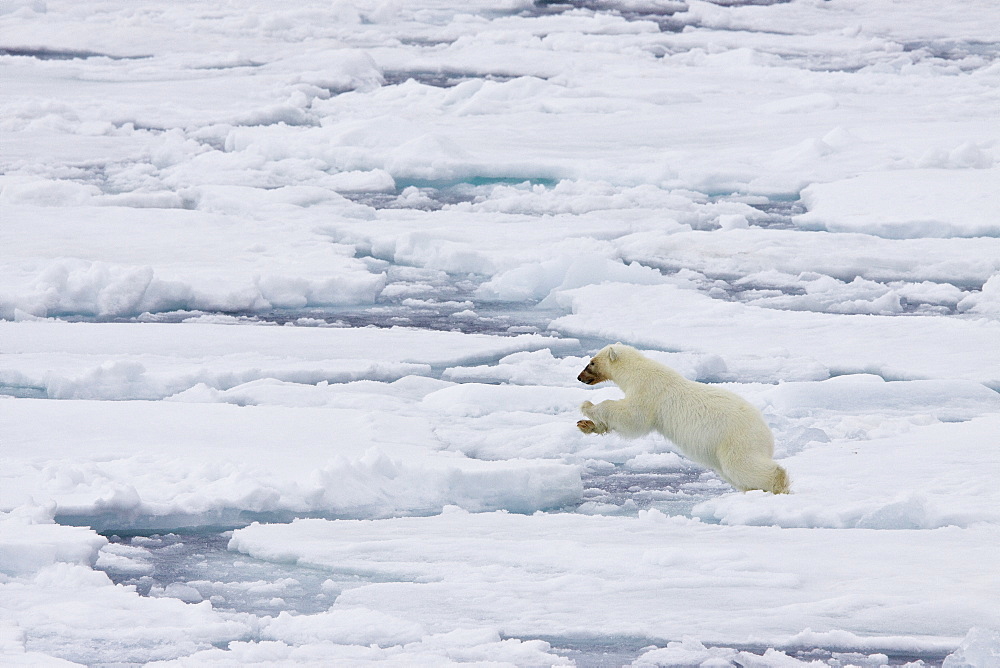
(586, 426)
(586, 406)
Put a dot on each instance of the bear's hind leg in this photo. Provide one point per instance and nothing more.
(747, 470)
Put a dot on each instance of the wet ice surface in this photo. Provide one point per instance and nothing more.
(660, 13)
(450, 316)
(196, 566)
(446, 79)
(422, 195)
(618, 652)
(616, 490)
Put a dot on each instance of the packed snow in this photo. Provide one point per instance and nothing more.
(293, 298)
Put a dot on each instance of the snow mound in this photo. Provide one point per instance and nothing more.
(32, 542)
(168, 464)
(979, 649)
(539, 281)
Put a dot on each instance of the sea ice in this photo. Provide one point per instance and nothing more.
(340, 263)
(526, 574)
(913, 347)
(907, 203)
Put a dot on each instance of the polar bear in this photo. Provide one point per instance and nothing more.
(708, 424)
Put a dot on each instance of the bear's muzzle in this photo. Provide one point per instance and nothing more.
(589, 376)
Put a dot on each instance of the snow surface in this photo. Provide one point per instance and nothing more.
(293, 297)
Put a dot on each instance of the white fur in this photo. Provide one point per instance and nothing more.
(708, 424)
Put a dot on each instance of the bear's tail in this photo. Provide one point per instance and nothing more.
(780, 483)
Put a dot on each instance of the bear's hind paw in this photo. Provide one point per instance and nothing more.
(587, 427)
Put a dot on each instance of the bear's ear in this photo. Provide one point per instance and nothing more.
(612, 354)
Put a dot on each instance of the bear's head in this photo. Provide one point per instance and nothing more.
(599, 368)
